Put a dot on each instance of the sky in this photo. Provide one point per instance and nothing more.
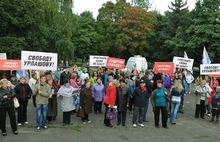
(94, 5)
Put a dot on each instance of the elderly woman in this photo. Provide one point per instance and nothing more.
(52, 103)
(202, 95)
(66, 93)
(216, 105)
(98, 91)
(7, 105)
(176, 93)
(159, 101)
(86, 101)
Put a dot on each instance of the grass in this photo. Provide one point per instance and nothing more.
(203, 136)
(76, 128)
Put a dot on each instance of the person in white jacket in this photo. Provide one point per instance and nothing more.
(189, 80)
(84, 75)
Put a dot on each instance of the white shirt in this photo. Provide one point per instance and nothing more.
(83, 77)
(189, 78)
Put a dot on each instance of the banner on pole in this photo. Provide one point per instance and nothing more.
(3, 56)
(10, 64)
(183, 63)
(38, 60)
(115, 63)
(164, 67)
(97, 60)
(209, 69)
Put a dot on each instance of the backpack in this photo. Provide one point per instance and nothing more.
(167, 81)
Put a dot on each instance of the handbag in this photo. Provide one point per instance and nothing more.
(80, 112)
(111, 113)
(16, 103)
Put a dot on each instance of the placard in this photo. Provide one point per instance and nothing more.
(209, 69)
(10, 64)
(115, 63)
(183, 63)
(97, 60)
(3, 56)
(38, 60)
(164, 67)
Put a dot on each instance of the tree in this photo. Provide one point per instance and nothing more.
(85, 37)
(145, 4)
(135, 27)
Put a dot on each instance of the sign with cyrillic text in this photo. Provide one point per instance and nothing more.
(115, 63)
(10, 64)
(183, 63)
(3, 56)
(164, 67)
(38, 60)
(97, 61)
(209, 69)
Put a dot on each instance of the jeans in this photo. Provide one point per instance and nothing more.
(138, 112)
(146, 108)
(22, 111)
(122, 117)
(41, 109)
(181, 104)
(188, 87)
(174, 109)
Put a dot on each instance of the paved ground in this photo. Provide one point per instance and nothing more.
(187, 129)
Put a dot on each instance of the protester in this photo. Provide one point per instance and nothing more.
(7, 105)
(198, 80)
(74, 81)
(159, 100)
(66, 75)
(14, 80)
(23, 92)
(52, 102)
(216, 106)
(86, 102)
(139, 96)
(131, 91)
(42, 92)
(98, 91)
(84, 75)
(209, 106)
(66, 93)
(214, 82)
(149, 86)
(189, 80)
(122, 102)
(109, 100)
(93, 78)
(183, 81)
(32, 83)
(57, 74)
(202, 94)
(128, 81)
(176, 93)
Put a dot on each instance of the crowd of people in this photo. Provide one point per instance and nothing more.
(127, 89)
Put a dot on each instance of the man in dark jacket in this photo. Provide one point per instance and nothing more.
(149, 86)
(66, 75)
(139, 96)
(23, 93)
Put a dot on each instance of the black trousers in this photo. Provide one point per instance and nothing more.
(106, 121)
(86, 117)
(12, 117)
(34, 100)
(131, 102)
(66, 117)
(22, 111)
(122, 117)
(215, 113)
(200, 109)
(98, 106)
(164, 112)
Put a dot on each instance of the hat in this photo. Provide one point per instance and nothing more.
(147, 72)
(142, 81)
(159, 81)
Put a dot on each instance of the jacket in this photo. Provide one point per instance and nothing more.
(98, 91)
(111, 94)
(122, 99)
(64, 76)
(153, 98)
(131, 90)
(174, 92)
(149, 86)
(6, 102)
(198, 95)
(45, 93)
(86, 100)
(139, 97)
(216, 100)
(23, 92)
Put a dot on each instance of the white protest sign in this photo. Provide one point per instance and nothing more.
(183, 63)
(38, 60)
(209, 69)
(98, 60)
(3, 56)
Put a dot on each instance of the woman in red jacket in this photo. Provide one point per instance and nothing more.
(109, 100)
